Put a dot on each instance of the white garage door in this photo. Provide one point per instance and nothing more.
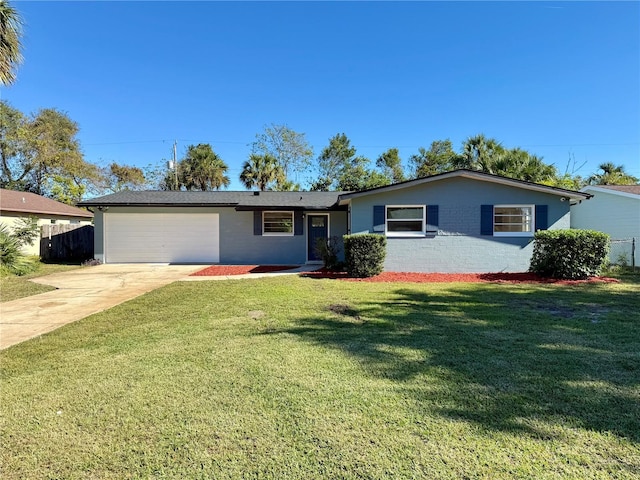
(161, 238)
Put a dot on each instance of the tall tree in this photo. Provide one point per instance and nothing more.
(439, 158)
(10, 42)
(261, 171)
(290, 149)
(355, 175)
(488, 155)
(611, 174)
(123, 177)
(16, 151)
(332, 161)
(202, 169)
(390, 164)
(341, 169)
(41, 154)
(56, 148)
(479, 153)
(520, 164)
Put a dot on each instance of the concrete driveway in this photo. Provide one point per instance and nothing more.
(81, 293)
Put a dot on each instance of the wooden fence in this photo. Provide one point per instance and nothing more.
(66, 242)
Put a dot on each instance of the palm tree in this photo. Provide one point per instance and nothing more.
(10, 45)
(612, 175)
(262, 171)
(520, 164)
(479, 153)
(202, 169)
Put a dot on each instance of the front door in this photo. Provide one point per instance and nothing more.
(317, 229)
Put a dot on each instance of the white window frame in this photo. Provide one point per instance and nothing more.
(515, 234)
(278, 234)
(421, 233)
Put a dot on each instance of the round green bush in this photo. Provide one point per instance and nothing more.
(364, 254)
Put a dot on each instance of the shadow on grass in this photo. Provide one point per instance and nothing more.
(508, 358)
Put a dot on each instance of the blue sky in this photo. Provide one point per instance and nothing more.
(560, 79)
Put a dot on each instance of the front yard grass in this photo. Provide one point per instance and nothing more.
(13, 287)
(300, 378)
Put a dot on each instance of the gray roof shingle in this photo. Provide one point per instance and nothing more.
(240, 200)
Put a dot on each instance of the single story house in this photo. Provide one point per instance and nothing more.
(459, 221)
(15, 205)
(615, 210)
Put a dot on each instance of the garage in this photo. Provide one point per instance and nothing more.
(161, 238)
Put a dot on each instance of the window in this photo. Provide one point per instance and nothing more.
(405, 220)
(513, 220)
(277, 223)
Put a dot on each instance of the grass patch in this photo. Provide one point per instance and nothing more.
(302, 378)
(13, 287)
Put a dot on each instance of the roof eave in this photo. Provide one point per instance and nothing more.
(45, 212)
(610, 191)
(90, 203)
(561, 192)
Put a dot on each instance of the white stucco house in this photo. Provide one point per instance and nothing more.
(615, 210)
(15, 205)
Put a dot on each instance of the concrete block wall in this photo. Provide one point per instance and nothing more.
(458, 247)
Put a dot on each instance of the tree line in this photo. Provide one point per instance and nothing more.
(41, 153)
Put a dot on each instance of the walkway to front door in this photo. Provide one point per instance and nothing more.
(317, 229)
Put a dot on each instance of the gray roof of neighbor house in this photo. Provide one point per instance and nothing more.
(30, 203)
(482, 176)
(249, 200)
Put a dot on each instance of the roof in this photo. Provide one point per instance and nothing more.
(473, 174)
(247, 200)
(632, 191)
(26, 202)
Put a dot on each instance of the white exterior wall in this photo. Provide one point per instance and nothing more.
(9, 219)
(612, 213)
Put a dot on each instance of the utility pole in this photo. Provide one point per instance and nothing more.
(175, 162)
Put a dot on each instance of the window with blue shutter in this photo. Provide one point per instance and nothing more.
(378, 218)
(542, 220)
(432, 219)
(298, 223)
(486, 219)
(257, 222)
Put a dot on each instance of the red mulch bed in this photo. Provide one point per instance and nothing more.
(224, 270)
(455, 277)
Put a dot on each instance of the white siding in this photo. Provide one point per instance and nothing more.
(611, 213)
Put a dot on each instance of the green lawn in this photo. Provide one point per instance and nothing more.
(13, 287)
(299, 378)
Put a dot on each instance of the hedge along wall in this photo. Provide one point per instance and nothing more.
(569, 254)
(364, 254)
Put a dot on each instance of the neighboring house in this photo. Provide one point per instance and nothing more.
(460, 221)
(15, 205)
(615, 210)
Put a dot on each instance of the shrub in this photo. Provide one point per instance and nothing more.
(329, 250)
(92, 262)
(26, 230)
(569, 254)
(364, 254)
(12, 260)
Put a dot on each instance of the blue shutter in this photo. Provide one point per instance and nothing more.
(542, 220)
(298, 223)
(486, 219)
(257, 222)
(432, 218)
(378, 218)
